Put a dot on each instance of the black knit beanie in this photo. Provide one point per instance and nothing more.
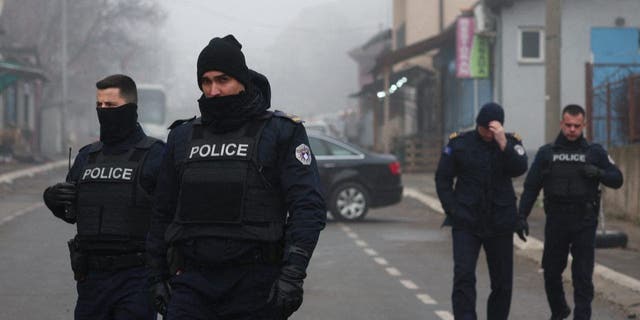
(490, 112)
(224, 55)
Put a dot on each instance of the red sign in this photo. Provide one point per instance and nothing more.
(464, 43)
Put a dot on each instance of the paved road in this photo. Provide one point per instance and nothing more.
(395, 265)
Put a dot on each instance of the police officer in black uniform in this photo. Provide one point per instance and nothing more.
(570, 171)
(107, 194)
(239, 206)
(481, 208)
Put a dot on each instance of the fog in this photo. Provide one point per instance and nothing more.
(300, 45)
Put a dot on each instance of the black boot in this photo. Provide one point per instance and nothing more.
(562, 315)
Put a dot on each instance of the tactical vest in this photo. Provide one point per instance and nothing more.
(564, 182)
(223, 192)
(111, 203)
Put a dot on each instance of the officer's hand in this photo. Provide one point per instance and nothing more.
(286, 293)
(160, 295)
(498, 134)
(592, 172)
(522, 229)
(60, 194)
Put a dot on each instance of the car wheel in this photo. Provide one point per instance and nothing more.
(349, 202)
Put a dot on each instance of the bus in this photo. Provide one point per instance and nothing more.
(152, 110)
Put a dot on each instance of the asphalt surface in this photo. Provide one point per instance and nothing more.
(394, 265)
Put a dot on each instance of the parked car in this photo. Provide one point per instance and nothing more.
(355, 180)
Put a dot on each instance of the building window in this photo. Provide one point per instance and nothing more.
(530, 44)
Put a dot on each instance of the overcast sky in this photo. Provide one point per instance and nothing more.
(300, 45)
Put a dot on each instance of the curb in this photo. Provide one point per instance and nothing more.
(29, 172)
(625, 291)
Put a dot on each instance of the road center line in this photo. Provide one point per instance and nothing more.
(409, 284)
(425, 298)
(361, 243)
(393, 272)
(33, 206)
(370, 252)
(444, 315)
(381, 261)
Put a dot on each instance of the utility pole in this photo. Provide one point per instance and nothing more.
(441, 15)
(385, 111)
(63, 107)
(553, 43)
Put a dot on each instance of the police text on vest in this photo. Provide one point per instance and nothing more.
(223, 150)
(108, 173)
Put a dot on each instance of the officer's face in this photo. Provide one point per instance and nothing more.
(485, 133)
(218, 84)
(109, 98)
(572, 126)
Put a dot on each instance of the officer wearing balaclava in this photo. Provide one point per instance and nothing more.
(239, 207)
(107, 194)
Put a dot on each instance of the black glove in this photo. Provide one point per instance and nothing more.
(522, 228)
(160, 295)
(592, 172)
(61, 194)
(286, 293)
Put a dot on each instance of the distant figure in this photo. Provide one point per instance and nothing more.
(239, 206)
(481, 208)
(107, 194)
(570, 171)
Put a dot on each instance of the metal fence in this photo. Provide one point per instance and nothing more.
(613, 103)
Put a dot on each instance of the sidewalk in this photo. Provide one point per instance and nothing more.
(617, 277)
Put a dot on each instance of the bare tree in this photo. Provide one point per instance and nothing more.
(104, 37)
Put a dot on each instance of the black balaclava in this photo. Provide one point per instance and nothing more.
(224, 55)
(490, 112)
(116, 124)
(222, 114)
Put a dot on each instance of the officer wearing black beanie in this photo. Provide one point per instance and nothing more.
(481, 208)
(224, 54)
(239, 206)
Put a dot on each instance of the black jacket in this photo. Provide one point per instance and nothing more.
(483, 200)
(299, 185)
(149, 168)
(595, 154)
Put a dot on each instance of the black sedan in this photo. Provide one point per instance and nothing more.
(354, 179)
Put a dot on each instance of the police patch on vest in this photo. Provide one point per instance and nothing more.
(303, 154)
(519, 149)
(108, 173)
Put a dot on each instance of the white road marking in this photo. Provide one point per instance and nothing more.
(361, 243)
(29, 172)
(425, 298)
(444, 315)
(409, 284)
(381, 261)
(427, 200)
(394, 272)
(370, 252)
(534, 244)
(20, 212)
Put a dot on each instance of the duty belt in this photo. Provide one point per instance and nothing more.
(115, 262)
(268, 254)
